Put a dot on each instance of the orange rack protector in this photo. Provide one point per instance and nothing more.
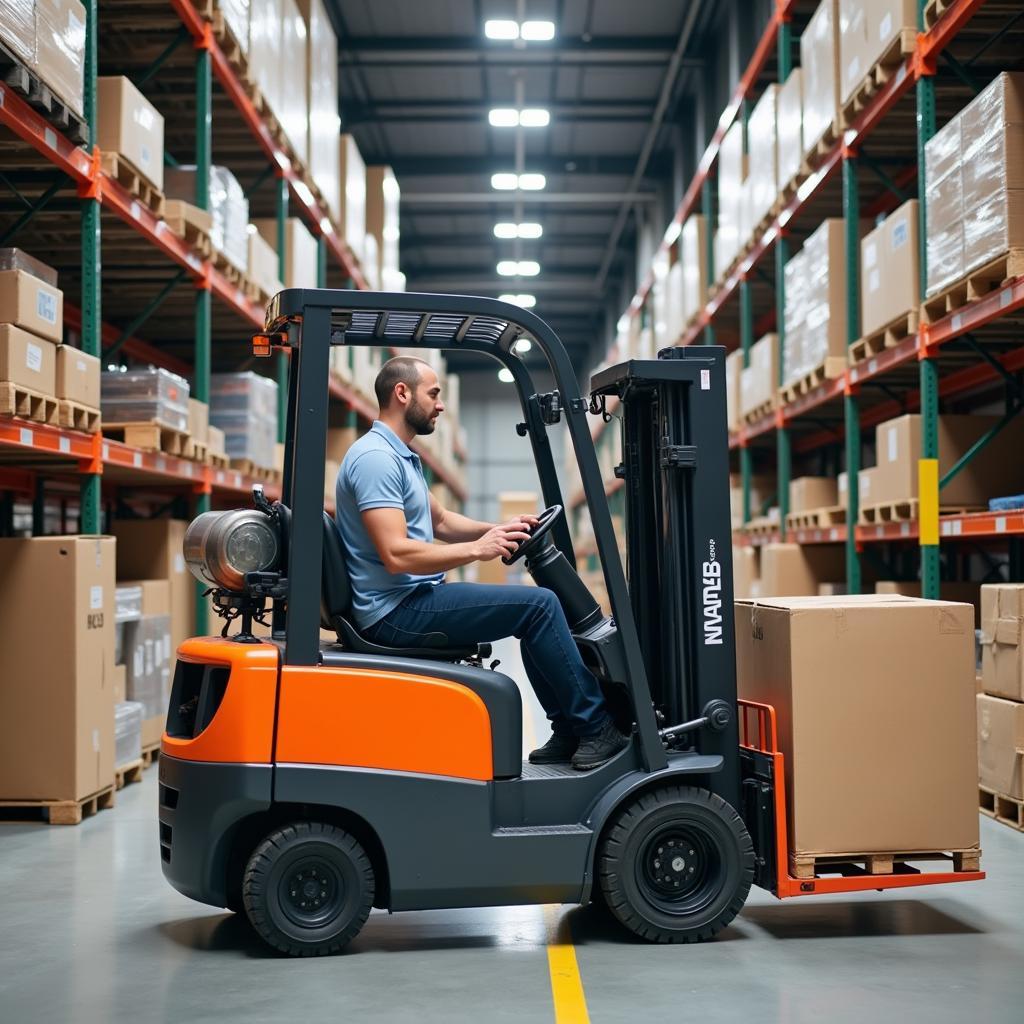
(758, 733)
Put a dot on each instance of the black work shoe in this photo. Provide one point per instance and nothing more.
(557, 750)
(593, 751)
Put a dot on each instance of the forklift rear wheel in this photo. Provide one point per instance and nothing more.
(308, 888)
(676, 865)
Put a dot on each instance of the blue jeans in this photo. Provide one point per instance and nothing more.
(469, 613)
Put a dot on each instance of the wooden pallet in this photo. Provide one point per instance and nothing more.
(878, 75)
(41, 98)
(816, 518)
(759, 412)
(904, 512)
(218, 460)
(832, 367)
(197, 451)
(227, 268)
(150, 437)
(885, 337)
(182, 218)
(230, 46)
(75, 416)
(811, 865)
(763, 526)
(975, 285)
(122, 171)
(934, 10)
(1007, 809)
(823, 146)
(150, 754)
(128, 773)
(16, 400)
(59, 812)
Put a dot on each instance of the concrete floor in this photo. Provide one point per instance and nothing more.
(90, 932)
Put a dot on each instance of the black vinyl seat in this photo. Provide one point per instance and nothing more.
(336, 609)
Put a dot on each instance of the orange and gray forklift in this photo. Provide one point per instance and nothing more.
(306, 781)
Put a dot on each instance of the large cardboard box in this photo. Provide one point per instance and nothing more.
(78, 376)
(131, 126)
(993, 227)
(896, 670)
(59, 58)
(1001, 745)
(732, 172)
(293, 104)
(265, 63)
(960, 591)
(819, 59)
(886, 20)
(790, 127)
(693, 254)
(198, 420)
(890, 269)
(383, 196)
(853, 46)
(56, 667)
(744, 570)
(795, 569)
(27, 360)
(31, 304)
(352, 196)
(1002, 640)
(759, 381)
(152, 549)
(339, 440)
(18, 27)
(300, 254)
(811, 492)
(762, 185)
(264, 265)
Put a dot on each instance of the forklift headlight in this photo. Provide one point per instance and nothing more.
(221, 547)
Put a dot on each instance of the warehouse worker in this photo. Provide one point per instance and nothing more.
(389, 520)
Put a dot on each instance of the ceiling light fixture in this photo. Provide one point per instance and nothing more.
(537, 31)
(506, 30)
(532, 182)
(499, 28)
(534, 117)
(518, 268)
(528, 117)
(503, 117)
(524, 302)
(528, 229)
(505, 375)
(509, 181)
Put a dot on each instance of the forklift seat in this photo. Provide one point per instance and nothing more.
(336, 606)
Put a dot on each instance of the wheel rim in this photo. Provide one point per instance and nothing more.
(679, 870)
(311, 892)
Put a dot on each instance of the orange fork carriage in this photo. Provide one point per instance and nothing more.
(759, 744)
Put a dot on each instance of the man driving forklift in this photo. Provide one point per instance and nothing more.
(389, 520)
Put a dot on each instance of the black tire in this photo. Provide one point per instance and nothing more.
(308, 889)
(694, 893)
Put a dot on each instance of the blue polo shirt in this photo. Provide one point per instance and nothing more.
(380, 471)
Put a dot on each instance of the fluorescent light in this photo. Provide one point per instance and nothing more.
(505, 181)
(505, 375)
(529, 268)
(525, 302)
(499, 28)
(509, 181)
(508, 268)
(623, 324)
(518, 268)
(503, 117)
(534, 117)
(523, 345)
(537, 31)
(529, 229)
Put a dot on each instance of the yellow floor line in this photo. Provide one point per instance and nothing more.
(566, 983)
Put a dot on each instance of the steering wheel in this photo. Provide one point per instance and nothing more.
(530, 547)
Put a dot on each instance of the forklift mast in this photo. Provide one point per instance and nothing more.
(675, 468)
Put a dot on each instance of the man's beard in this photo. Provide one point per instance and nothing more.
(418, 418)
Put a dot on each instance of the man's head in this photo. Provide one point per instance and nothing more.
(408, 387)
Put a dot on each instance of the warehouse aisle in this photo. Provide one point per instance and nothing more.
(93, 933)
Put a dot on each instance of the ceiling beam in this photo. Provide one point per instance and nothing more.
(475, 241)
(432, 111)
(431, 166)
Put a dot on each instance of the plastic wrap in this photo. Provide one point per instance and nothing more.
(244, 406)
(127, 603)
(762, 149)
(789, 120)
(322, 98)
(693, 256)
(147, 650)
(265, 63)
(992, 141)
(945, 243)
(230, 209)
(128, 717)
(59, 55)
(294, 105)
(236, 19)
(794, 315)
(992, 228)
(731, 174)
(819, 47)
(352, 172)
(18, 259)
(854, 62)
(139, 396)
(886, 20)
(18, 27)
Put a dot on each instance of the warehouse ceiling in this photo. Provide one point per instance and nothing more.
(417, 83)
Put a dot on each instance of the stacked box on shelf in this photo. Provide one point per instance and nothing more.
(236, 20)
(383, 196)
(790, 127)
(128, 716)
(300, 250)
(867, 32)
(266, 68)
(819, 57)
(945, 206)
(263, 263)
(791, 570)
(732, 172)
(762, 185)
(145, 396)
(853, 35)
(146, 654)
(244, 406)
(229, 209)
(78, 377)
(762, 488)
(129, 125)
(759, 380)
(352, 195)
(58, 56)
(890, 269)
(18, 28)
(322, 100)
(293, 110)
(198, 420)
(694, 261)
(807, 493)
(815, 311)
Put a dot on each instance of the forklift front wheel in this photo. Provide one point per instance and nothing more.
(676, 865)
(308, 889)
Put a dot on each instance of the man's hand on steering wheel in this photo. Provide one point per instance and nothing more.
(501, 541)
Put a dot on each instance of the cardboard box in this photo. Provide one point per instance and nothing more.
(352, 198)
(56, 667)
(120, 683)
(886, 20)
(912, 788)
(819, 59)
(293, 105)
(890, 269)
(843, 489)
(762, 490)
(12, 258)
(215, 440)
(693, 254)
(27, 360)
(382, 222)
(944, 195)
(264, 265)
(339, 440)
(59, 57)
(265, 62)
(992, 140)
(31, 304)
(853, 46)
(811, 492)
(867, 487)
(962, 592)
(1001, 745)
(300, 257)
(759, 380)
(18, 28)
(762, 184)
(517, 503)
(992, 228)
(152, 549)
(1002, 658)
(732, 172)
(156, 596)
(795, 569)
(148, 659)
(128, 124)
(78, 376)
(198, 420)
(744, 570)
(790, 127)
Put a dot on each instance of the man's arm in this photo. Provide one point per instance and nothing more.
(453, 528)
(400, 553)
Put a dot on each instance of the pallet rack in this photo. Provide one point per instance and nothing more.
(971, 350)
(168, 47)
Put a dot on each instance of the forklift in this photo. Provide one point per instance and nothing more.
(305, 781)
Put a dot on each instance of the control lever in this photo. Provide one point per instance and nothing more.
(717, 716)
